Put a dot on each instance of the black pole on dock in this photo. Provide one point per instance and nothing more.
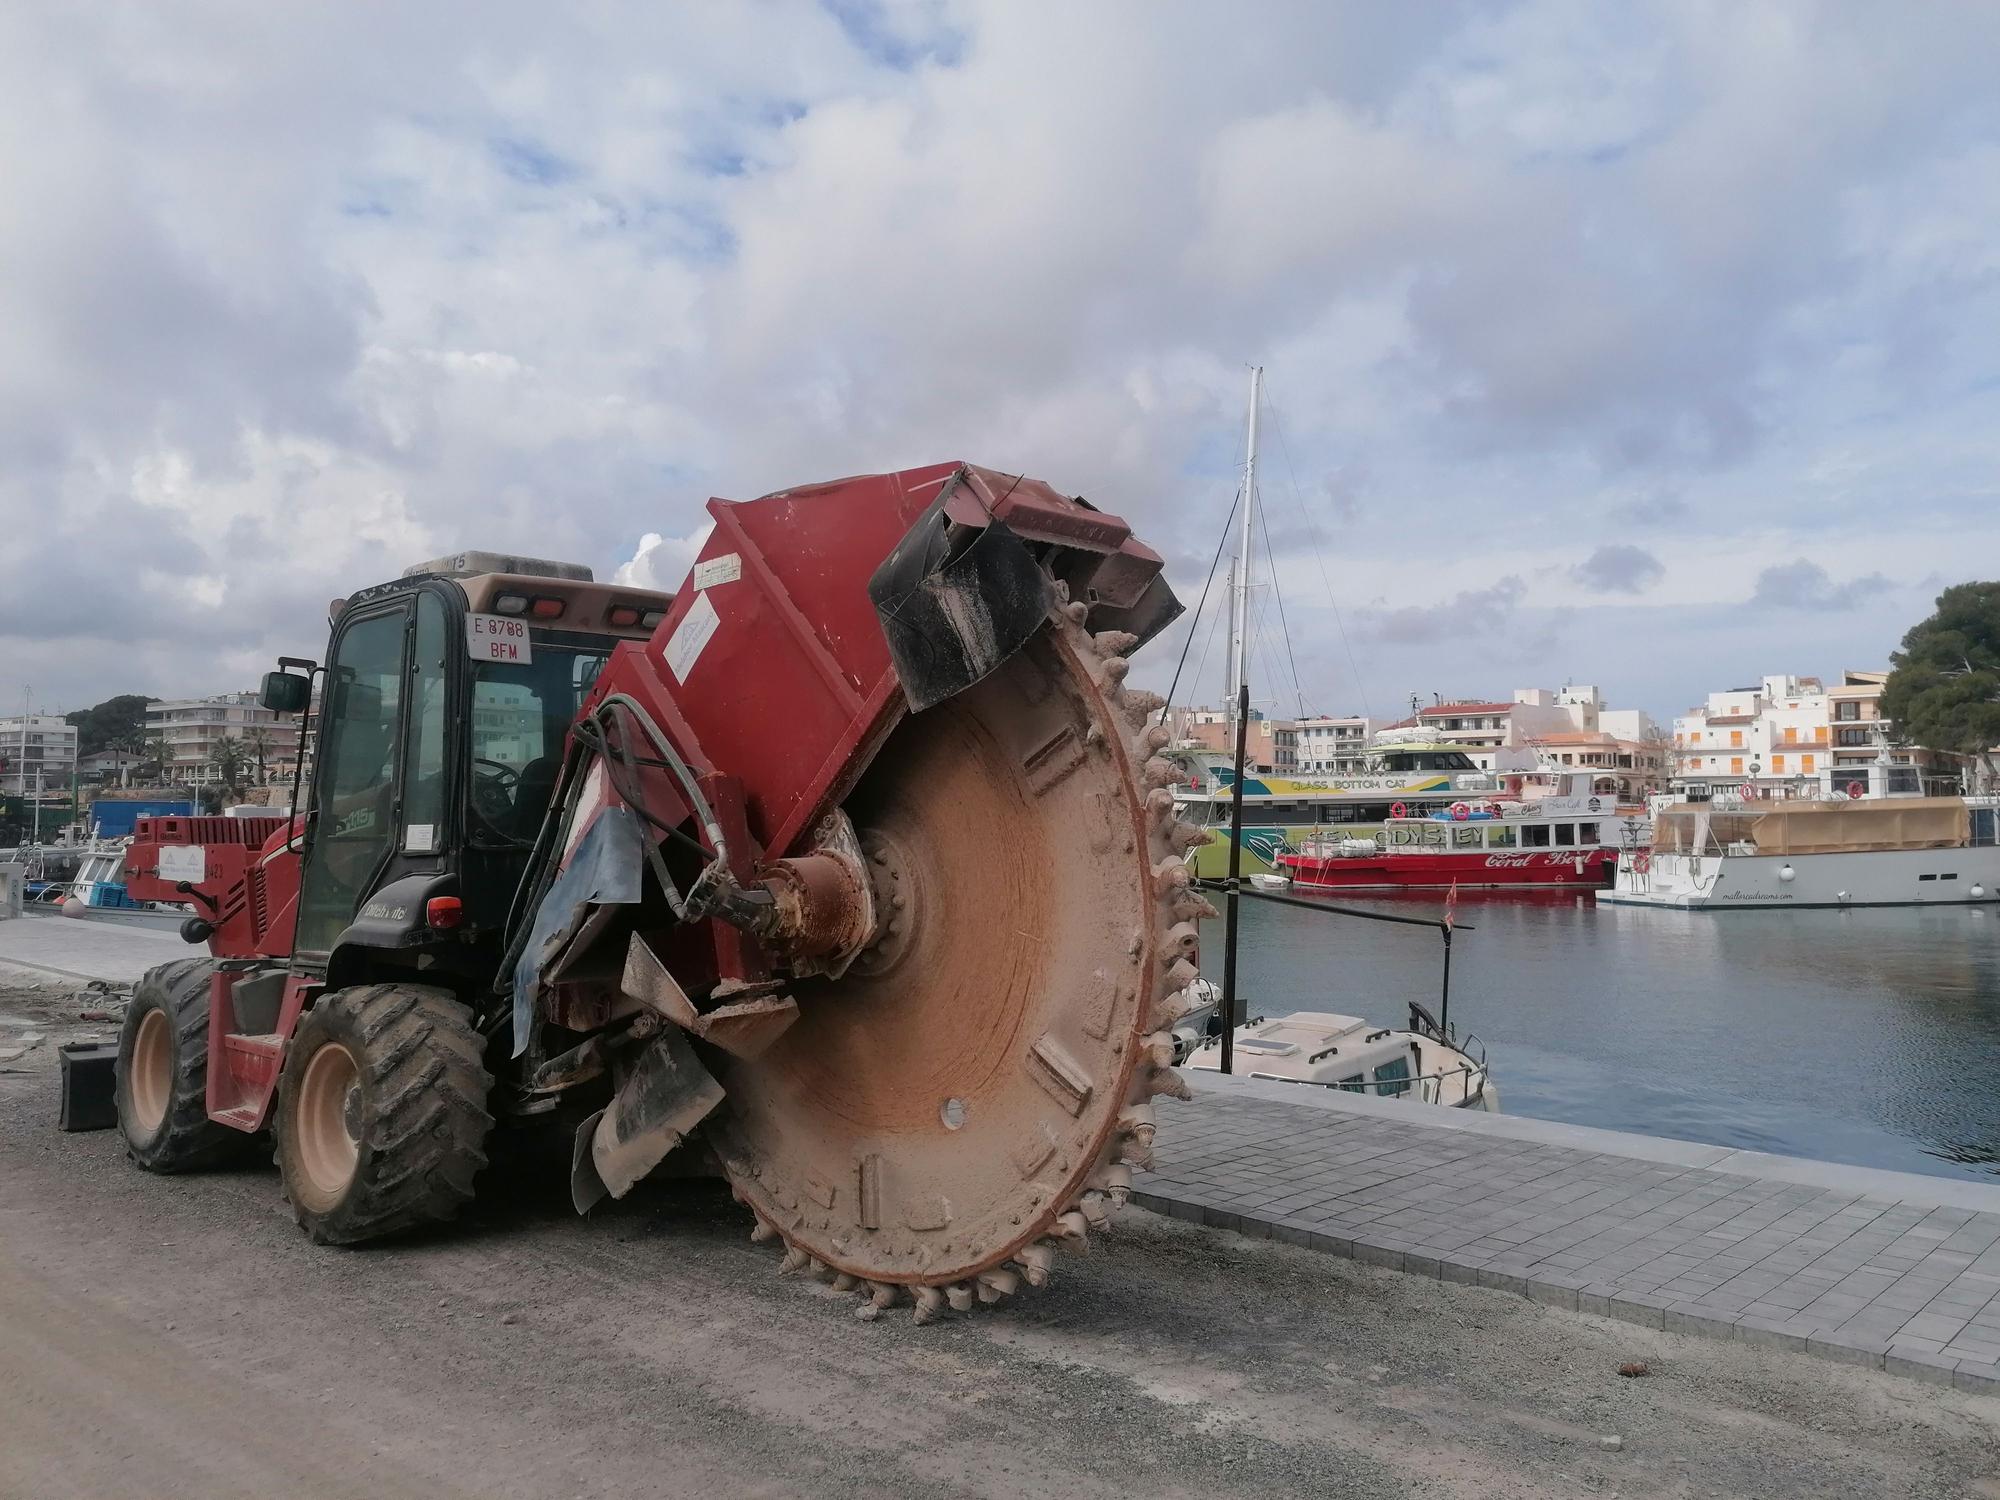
(1235, 880)
(1444, 999)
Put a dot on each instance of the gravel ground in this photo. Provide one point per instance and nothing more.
(175, 1337)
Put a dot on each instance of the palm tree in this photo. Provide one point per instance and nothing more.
(228, 759)
(257, 740)
(158, 753)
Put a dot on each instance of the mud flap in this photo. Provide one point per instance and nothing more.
(667, 1093)
(955, 602)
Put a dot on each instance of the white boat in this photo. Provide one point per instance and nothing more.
(1423, 1063)
(1271, 882)
(1861, 843)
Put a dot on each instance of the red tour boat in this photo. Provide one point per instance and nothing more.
(1568, 838)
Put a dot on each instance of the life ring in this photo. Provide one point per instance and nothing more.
(1642, 861)
(1492, 809)
(1855, 790)
(1399, 810)
(1460, 811)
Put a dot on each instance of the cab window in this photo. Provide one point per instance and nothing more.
(521, 713)
(355, 798)
(423, 750)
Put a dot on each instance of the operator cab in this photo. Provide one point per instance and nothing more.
(444, 708)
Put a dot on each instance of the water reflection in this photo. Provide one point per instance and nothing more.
(1863, 1036)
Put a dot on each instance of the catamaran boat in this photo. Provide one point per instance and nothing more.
(1406, 771)
(1423, 1063)
(1870, 837)
(1572, 836)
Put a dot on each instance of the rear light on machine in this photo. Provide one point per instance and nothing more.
(444, 912)
(623, 615)
(651, 618)
(541, 606)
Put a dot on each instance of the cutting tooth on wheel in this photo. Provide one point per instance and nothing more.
(1113, 642)
(959, 1295)
(762, 1230)
(1138, 1123)
(1168, 1082)
(1036, 1261)
(795, 1260)
(1169, 876)
(1072, 1231)
(930, 1302)
(1154, 737)
(1191, 908)
(1170, 1008)
(1116, 1181)
(844, 1282)
(1095, 1207)
(993, 1285)
(882, 1294)
(1140, 705)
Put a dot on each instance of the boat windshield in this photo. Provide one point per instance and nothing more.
(1429, 759)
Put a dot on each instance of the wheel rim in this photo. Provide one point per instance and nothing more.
(327, 1150)
(152, 1072)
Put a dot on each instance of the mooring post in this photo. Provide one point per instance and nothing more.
(1444, 999)
(1235, 880)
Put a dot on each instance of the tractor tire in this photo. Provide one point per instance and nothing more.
(381, 1117)
(161, 1074)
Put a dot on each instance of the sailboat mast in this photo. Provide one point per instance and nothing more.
(1239, 615)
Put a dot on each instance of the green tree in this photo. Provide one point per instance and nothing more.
(1944, 690)
(228, 759)
(104, 725)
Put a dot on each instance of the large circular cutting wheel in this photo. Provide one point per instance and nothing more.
(963, 1100)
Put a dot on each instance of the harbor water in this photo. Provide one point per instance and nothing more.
(1867, 1036)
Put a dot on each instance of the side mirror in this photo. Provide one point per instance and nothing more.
(285, 692)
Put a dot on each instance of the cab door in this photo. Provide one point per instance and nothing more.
(357, 783)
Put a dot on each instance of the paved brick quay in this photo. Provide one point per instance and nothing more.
(1890, 1269)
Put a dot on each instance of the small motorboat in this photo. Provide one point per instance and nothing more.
(1271, 882)
(1424, 1062)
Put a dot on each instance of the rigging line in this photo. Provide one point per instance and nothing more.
(1201, 604)
(1312, 531)
(1284, 625)
(1207, 642)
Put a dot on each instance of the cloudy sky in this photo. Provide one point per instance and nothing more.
(1652, 347)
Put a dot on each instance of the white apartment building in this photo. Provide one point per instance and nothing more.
(1484, 729)
(38, 753)
(193, 727)
(1773, 736)
(1784, 734)
(1325, 745)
